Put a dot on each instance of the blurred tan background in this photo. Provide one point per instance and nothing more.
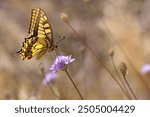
(102, 24)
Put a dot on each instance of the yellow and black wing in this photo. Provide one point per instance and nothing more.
(40, 36)
(39, 26)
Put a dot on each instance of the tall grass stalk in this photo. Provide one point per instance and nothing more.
(65, 19)
(120, 79)
(74, 84)
(126, 55)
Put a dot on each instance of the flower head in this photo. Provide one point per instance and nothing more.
(61, 63)
(49, 77)
(123, 68)
(145, 69)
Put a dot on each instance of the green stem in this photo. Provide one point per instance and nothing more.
(73, 84)
(53, 92)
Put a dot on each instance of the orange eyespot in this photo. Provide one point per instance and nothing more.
(29, 57)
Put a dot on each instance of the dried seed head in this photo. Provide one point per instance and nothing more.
(111, 52)
(64, 17)
(123, 68)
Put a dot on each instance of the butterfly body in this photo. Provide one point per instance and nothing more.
(40, 37)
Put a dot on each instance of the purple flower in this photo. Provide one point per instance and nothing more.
(49, 77)
(61, 63)
(145, 69)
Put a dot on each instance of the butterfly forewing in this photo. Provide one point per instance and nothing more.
(39, 25)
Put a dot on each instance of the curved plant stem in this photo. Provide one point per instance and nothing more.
(74, 84)
(113, 63)
(98, 59)
(54, 92)
(129, 87)
(129, 60)
(49, 86)
(126, 55)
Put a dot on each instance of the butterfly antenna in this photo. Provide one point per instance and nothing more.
(60, 40)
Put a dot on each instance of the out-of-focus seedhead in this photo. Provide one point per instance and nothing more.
(64, 17)
(111, 52)
(123, 69)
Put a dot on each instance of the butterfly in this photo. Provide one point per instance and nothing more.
(40, 38)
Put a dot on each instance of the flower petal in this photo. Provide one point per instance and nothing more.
(61, 62)
(49, 77)
(145, 69)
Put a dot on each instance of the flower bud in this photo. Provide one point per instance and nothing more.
(64, 17)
